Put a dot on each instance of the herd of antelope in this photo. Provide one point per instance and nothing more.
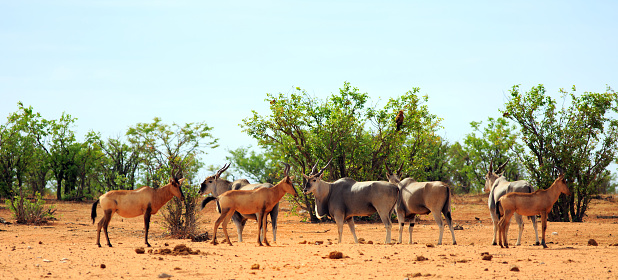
(342, 200)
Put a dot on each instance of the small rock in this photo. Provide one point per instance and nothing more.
(418, 274)
(487, 257)
(319, 242)
(592, 242)
(255, 266)
(40, 242)
(421, 258)
(457, 227)
(369, 242)
(140, 250)
(28, 247)
(164, 275)
(335, 255)
(554, 233)
(514, 268)
(103, 265)
(46, 260)
(303, 242)
(429, 245)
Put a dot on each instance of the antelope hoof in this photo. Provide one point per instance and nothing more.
(494, 243)
(537, 243)
(545, 246)
(454, 243)
(109, 244)
(214, 242)
(99, 245)
(148, 244)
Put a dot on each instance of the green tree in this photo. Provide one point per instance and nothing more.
(304, 130)
(17, 151)
(495, 142)
(169, 150)
(580, 137)
(120, 163)
(255, 166)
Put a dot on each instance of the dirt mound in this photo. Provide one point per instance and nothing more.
(179, 250)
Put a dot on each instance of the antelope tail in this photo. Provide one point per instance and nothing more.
(498, 209)
(93, 213)
(206, 200)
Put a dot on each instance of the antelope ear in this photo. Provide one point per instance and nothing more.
(291, 177)
(181, 181)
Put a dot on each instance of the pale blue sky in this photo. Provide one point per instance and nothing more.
(113, 64)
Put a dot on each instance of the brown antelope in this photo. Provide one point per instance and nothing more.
(132, 203)
(259, 201)
(497, 185)
(539, 202)
(216, 186)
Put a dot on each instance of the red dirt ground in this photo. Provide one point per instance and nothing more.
(66, 249)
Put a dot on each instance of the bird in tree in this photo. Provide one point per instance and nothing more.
(399, 119)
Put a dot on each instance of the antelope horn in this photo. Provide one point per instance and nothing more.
(314, 170)
(560, 170)
(387, 169)
(287, 169)
(220, 171)
(491, 163)
(324, 168)
(399, 170)
(501, 168)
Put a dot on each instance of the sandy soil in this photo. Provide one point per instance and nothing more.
(66, 249)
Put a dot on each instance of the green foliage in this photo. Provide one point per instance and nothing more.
(26, 211)
(173, 150)
(580, 137)
(497, 143)
(167, 149)
(120, 163)
(304, 130)
(255, 166)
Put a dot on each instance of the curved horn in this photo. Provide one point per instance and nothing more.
(324, 168)
(399, 170)
(560, 170)
(314, 170)
(286, 170)
(220, 171)
(491, 164)
(501, 168)
(387, 169)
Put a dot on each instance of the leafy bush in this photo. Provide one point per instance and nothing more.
(30, 212)
(180, 217)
